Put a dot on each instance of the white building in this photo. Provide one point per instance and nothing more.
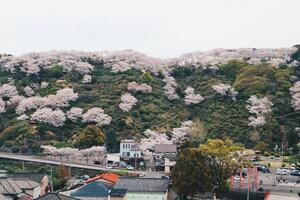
(129, 149)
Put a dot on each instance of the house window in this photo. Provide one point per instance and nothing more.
(128, 154)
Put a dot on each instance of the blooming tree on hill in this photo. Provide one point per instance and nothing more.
(225, 90)
(136, 87)
(191, 97)
(86, 79)
(170, 87)
(152, 138)
(295, 93)
(8, 91)
(47, 115)
(127, 102)
(74, 113)
(28, 91)
(96, 115)
(259, 108)
(2, 106)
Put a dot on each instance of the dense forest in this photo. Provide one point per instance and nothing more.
(125, 96)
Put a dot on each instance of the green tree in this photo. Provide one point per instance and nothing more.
(90, 136)
(226, 159)
(191, 174)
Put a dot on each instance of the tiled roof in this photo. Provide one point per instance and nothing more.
(133, 184)
(110, 177)
(9, 187)
(165, 148)
(55, 196)
(93, 189)
(32, 176)
(25, 184)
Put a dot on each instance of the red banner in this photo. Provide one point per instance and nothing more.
(255, 177)
(249, 175)
(241, 178)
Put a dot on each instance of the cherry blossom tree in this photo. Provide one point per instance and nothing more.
(44, 84)
(96, 115)
(22, 117)
(74, 113)
(2, 106)
(170, 86)
(191, 97)
(86, 79)
(8, 91)
(136, 87)
(181, 134)
(152, 138)
(295, 93)
(225, 90)
(28, 91)
(47, 115)
(259, 108)
(127, 102)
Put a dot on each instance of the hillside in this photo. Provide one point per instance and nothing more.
(167, 92)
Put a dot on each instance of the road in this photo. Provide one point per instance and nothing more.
(42, 160)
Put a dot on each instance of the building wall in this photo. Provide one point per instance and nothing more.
(118, 198)
(92, 198)
(125, 150)
(146, 196)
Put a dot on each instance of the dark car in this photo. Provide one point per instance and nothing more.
(265, 170)
(295, 173)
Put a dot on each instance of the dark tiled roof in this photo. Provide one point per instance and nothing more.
(142, 184)
(55, 196)
(93, 189)
(9, 187)
(165, 148)
(32, 176)
(118, 192)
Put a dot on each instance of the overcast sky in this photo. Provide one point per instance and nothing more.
(162, 28)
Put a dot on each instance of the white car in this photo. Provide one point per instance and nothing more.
(129, 167)
(109, 167)
(237, 178)
(282, 172)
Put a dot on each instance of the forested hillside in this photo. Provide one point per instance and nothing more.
(249, 95)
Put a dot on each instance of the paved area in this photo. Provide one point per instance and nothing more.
(283, 196)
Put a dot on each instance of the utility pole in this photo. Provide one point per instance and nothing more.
(51, 179)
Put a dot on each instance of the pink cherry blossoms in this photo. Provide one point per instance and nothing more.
(142, 88)
(28, 91)
(259, 108)
(96, 115)
(8, 91)
(178, 136)
(60, 99)
(2, 106)
(47, 115)
(127, 102)
(170, 87)
(295, 93)
(225, 90)
(74, 113)
(191, 97)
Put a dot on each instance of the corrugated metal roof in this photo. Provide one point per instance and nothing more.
(9, 187)
(32, 176)
(142, 184)
(25, 184)
(55, 196)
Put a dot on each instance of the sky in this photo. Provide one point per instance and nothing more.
(160, 28)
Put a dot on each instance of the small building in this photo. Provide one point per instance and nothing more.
(95, 190)
(165, 149)
(143, 188)
(129, 149)
(42, 179)
(165, 156)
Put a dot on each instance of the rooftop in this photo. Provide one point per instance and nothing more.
(118, 192)
(93, 189)
(110, 177)
(134, 184)
(32, 176)
(56, 196)
(127, 141)
(165, 148)
(9, 187)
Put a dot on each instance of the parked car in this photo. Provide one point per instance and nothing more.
(129, 167)
(265, 170)
(237, 178)
(295, 172)
(108, 166)
(282, 172)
